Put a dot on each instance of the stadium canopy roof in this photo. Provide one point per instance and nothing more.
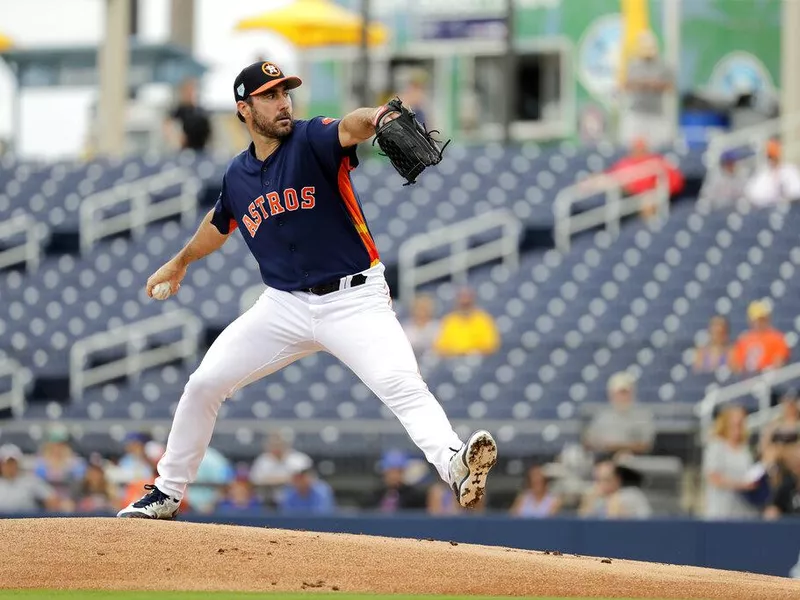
(76, 66)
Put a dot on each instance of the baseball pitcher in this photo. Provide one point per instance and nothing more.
(291, 197)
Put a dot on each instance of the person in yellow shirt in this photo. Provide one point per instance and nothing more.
(467, 330)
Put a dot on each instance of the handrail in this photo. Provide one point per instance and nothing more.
(754, 136)
(138, 356)
(30, 251)
(462, 257)
(614, 206)
(15, 397)
(138, 194)
(759, 386)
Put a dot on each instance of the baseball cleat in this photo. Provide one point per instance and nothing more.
(470, 466)
(153, 505)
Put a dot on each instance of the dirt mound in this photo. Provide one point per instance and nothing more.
(159, 555)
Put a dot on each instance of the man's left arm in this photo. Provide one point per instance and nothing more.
(358, 126)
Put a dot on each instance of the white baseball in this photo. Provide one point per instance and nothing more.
(162, 291)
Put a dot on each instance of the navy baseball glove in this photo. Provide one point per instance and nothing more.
(409, 145)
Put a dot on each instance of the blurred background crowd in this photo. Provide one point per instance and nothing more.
(629, 335)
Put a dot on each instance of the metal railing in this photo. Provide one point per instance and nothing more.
(759, 386)
(462, 255)
(14, 398)
(754, 138)
(29, 251)
(142, 210)
(614, 206)
(133, 339)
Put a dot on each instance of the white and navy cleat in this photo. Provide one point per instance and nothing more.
(469, 468)
(153, 505)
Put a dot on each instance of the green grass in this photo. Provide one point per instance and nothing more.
(102, 595)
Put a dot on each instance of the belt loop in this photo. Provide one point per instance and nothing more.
(345, 282)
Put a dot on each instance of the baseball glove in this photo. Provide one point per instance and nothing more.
(409, 145)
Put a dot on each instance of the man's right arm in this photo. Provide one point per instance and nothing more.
(206, 240)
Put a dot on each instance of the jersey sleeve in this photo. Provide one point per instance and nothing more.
(323, 137)
(222, 218)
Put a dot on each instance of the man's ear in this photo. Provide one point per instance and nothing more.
(243, 108)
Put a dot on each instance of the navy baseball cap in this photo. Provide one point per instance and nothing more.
(258, 78)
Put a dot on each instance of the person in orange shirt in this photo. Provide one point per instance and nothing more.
(762, 347)
(467, 330)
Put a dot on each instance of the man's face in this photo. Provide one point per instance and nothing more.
(606, 479)
(621, 398)
(271, 113)
(9, 468)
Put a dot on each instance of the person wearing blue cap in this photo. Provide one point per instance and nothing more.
(395, 494)
(723, 186)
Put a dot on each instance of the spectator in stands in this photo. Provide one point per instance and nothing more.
(306, 494)
(536, 501)
(615, 494)
(421, 328)
(133, 466)
(714, 353)
(468, 329)
(723, 187)
(776, 182)
(727, 468)
(762, 347)
(58, 465)
(277, 463)
(786, 498)
(214, 473)
(395, 494)
(441, 500)
(96, 493)
(239, 495)
(189, 125)
(784, 430)
(647, 82)
(414, 96)
(22, 492)
(623, 427)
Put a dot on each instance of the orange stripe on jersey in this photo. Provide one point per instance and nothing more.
(354, 210)
(232, 224)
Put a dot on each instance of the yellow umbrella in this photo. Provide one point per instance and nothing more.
(314, 23)
(5, 42)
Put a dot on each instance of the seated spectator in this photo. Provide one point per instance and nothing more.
(306, 494)
(776, 182)
(442, 501)
(723, 187)
(615, 494)
(468, 329)
(58, 465)
(277, 463)
(133, 466)
(785, 501)
(727, 468)
(623, 427)
(22, 492)
(762, 347)
(714, 354)
(239, 495)
(395, 494)
(785, 430)
(536, 501)
(422, 329)
(96, 492)
(153, 451)
(214, 473)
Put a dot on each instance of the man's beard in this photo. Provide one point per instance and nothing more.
(272, 128)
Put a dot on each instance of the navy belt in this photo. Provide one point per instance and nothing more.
(335, 286)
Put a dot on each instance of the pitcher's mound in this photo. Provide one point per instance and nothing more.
(157, 555)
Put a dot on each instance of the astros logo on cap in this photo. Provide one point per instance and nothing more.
(270, 69)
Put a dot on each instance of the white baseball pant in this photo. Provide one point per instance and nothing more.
(357, 325)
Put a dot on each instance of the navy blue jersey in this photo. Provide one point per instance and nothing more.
(298, 210)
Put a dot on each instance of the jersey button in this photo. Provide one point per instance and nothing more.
(292, 247)
(305, 274)
(280, 222)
